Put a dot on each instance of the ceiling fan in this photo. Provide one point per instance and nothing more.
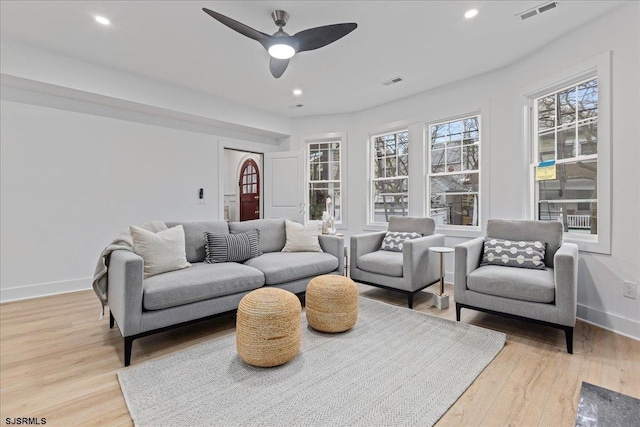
(281, 46)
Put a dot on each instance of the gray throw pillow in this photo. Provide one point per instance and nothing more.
(394, 240)
(231, 247)
(514, 253)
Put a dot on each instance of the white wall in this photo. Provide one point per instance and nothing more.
(497, 96)
(71, 182)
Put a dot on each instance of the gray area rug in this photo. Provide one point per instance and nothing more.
(601, 407)
(395, 367)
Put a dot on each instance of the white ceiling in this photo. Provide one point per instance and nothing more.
(428, 43)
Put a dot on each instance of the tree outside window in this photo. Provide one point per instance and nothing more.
(454, 172)
(390, 176)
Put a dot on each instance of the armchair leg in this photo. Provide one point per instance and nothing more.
(568, 332)
(410, 300)
(128, 343)
(458, 309)
(112, 320)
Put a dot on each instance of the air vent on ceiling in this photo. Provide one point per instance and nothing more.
(293, 107)
(537, 10)
(392, 81)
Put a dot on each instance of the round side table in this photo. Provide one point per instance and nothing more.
(441, 300)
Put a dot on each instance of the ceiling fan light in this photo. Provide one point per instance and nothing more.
(281, 51)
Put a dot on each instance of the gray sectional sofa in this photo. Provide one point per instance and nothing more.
(141, 307)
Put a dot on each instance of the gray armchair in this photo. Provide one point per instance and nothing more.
(408, 271)
(546, 297)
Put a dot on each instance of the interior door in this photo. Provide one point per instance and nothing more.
(284, 182)
(249, 183)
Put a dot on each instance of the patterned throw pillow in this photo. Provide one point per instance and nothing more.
(394, 240)
(232, 247)
(511, 253)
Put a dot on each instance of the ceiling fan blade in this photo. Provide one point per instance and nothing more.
(243, 29)
(314, 38)
(277, 66)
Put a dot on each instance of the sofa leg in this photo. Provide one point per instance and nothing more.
(128, 343)
(568, 333)
(458, 309)
(112, 321)
(410, 300)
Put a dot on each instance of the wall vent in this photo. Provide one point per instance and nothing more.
(293, 107)
(537, 10)
(392, 81)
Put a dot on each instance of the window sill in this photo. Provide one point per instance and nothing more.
(461, 231)
(588, 243)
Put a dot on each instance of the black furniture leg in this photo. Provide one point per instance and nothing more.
(128, 342)
(568, 333)
(410, 300)
(458, 309)
(112, 321)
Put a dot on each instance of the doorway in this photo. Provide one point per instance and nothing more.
(243, 185)
(249, 190)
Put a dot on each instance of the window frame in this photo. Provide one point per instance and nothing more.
(597, 67)
(332, 137)
(428, 172)
(372, 152)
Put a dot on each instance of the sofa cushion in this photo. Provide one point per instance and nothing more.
(200, 282)
(301, 238)
(381, 262)
(236, 247)
(514, 283)
(282, 267)
(272, 232)
(162, 251)
(194, 236)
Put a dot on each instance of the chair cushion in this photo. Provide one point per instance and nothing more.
(514, 283)
(194, 236)
(283, 267)
(424, 226)
(199, 282)
(272, 232)
(512, 253)
(381, 262)
(394, 240)
(545, 231)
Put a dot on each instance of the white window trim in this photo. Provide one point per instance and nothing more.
(600, 67)
(340, 137)
(378, 225)
(454, 230)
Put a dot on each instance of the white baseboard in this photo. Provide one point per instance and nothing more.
(44, 289)
(611, 322)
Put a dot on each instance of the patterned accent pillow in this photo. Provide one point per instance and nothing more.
(511, 253)
(231, 247)
(394, 240)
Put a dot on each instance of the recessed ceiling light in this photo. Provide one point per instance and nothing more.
(297, 92)
(102, 20)
(470, 13)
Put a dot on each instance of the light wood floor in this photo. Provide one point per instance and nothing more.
(59, 361)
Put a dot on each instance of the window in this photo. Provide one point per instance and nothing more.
(454, 172)
(565, 131)
(324, 179)
(389, 176)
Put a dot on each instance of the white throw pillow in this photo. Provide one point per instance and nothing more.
(301, 238)
(162, 251)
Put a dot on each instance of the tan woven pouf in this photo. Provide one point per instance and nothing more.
(332, 303)
(268, 327)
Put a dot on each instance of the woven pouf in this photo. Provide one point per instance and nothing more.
(332, 303)
(268, 327)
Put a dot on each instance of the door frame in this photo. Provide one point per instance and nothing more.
(249, 151)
